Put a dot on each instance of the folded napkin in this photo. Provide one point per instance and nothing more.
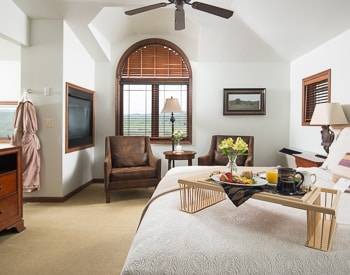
(240, 194)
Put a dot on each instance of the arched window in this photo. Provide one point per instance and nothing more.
(148, 73)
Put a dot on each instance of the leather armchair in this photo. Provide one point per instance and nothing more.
(214, 157)
(129, 163)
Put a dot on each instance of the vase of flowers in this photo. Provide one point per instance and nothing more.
(178, 136)
(232, 149)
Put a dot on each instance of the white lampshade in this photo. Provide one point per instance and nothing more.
(328, 114)
(171, 105)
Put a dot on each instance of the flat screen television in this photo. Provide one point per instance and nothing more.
(79, 118)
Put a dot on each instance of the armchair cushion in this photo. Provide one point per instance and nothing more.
(220, 159)
(131, 173)
(128, 151)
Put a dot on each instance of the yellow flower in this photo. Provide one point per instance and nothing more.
(228, 147)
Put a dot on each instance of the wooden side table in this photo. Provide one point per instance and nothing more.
(307, 160)
(171, 156)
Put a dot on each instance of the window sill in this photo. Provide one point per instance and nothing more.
(168, 141)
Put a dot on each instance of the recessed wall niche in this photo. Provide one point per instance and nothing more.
(80, 118)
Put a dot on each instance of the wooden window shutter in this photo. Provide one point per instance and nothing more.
(149, 72)
(155, 61)
(316, 90)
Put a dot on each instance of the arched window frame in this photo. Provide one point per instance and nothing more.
(119, 83)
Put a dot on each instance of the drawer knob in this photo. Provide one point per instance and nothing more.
(1, 212)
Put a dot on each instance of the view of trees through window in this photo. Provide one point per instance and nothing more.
(150, 72)
(137, 109)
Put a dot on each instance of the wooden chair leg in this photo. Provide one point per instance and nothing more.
(108, 196)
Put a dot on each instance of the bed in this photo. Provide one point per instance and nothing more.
(256, 238)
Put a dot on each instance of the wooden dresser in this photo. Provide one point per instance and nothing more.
(301, 158)
(11, 195)
(308, 160)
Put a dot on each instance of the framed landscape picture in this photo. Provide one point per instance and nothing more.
(245, 101)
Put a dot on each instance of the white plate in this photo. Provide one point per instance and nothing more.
(258, 181)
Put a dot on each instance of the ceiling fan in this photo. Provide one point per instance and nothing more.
(180, 12)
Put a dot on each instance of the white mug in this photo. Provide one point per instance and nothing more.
(309, 179)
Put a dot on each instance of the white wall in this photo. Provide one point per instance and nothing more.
(335, 55)
(14, 24)
(220, 60)
(78, 68)
(56, 56)
(232, 58)
(10, 70)
(42, 66)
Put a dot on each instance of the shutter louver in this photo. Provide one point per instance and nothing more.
(155, 61)
(316, 90)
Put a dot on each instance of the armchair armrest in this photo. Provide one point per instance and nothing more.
(154, 161)
(107, 165)
(205, 160)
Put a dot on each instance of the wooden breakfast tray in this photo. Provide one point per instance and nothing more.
(320, 205)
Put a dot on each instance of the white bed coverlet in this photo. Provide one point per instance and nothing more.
(256, 238)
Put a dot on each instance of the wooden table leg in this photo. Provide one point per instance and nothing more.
(169, 164)
(190, 162)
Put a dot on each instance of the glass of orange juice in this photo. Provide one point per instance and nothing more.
(272, 176)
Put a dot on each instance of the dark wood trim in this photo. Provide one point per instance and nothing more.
(61, 199)
(155, 111)
(85, 90)
(119, 82)
(318, 77)
(327, 74)
(259, 91)
(167, 140)
(154, 80)
(98, 180)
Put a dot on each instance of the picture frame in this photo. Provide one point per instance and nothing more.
(244, 101)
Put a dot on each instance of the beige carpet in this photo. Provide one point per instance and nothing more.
(80, 236)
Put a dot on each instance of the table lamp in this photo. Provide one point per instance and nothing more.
(326, 115)
(172, 106)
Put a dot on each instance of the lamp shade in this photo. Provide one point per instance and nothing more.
(328, 114)
(172, 105)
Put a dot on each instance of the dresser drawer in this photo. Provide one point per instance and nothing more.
(8, 208)
(8, 183)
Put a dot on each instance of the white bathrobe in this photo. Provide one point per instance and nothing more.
(26, 126)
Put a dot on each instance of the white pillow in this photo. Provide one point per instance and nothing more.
(338, 150)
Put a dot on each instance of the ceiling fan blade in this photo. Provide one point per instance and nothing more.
(212, 9)
(179, 19)
(146, 8)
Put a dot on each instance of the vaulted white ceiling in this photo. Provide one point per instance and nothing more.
(294, 27)
(291, 27)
